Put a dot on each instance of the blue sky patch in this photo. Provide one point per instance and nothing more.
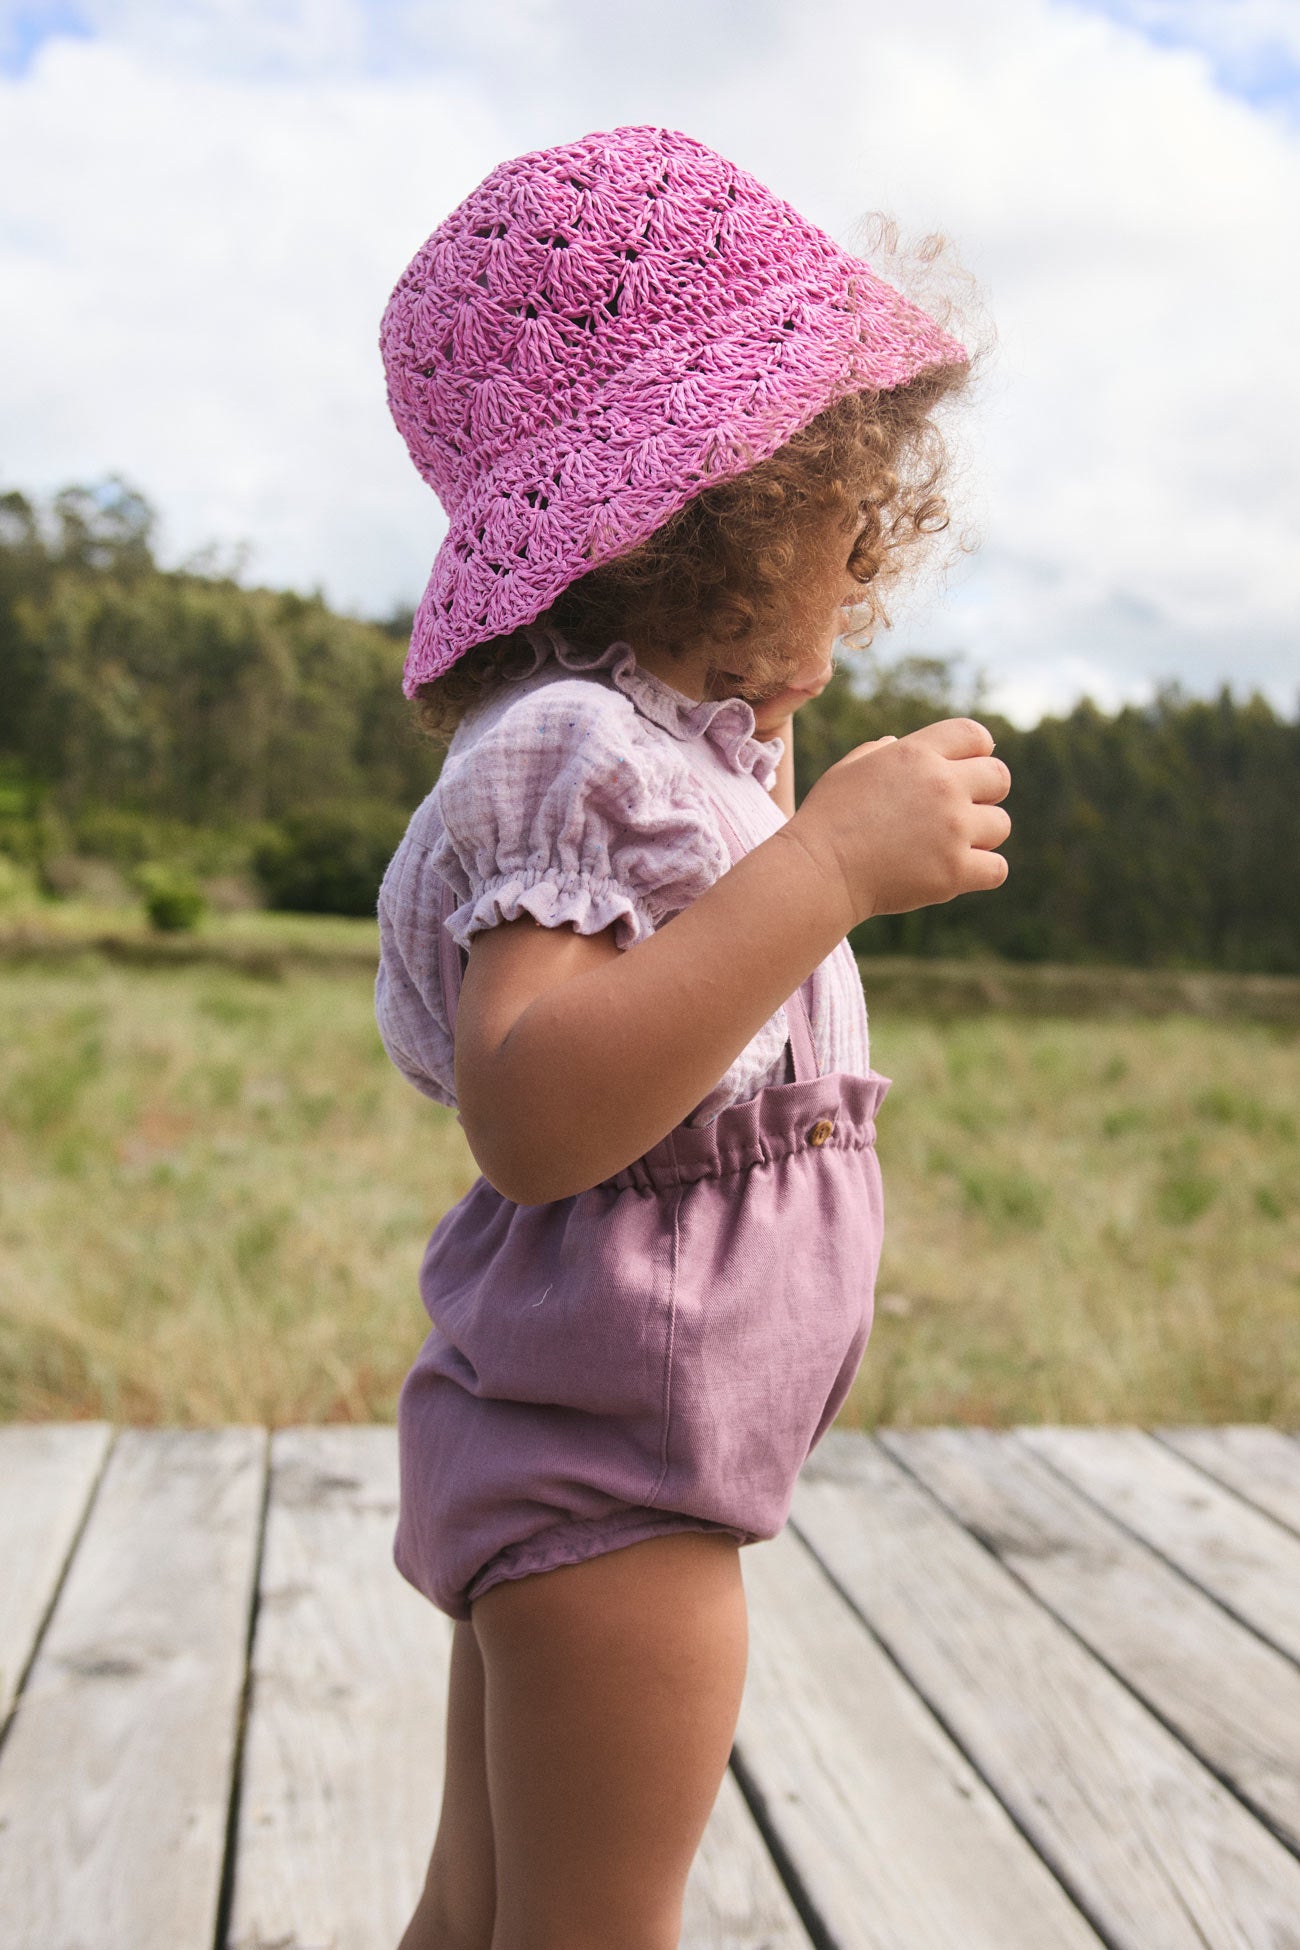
(24, 30)
(1264, 72)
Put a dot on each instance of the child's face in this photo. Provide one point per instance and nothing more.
(809, 681)
(831, 594)
(837, 596)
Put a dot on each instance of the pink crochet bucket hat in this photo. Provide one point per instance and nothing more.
(593, 336)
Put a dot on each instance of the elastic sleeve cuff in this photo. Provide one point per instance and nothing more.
(588, 903)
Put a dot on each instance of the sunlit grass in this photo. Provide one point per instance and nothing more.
(64, 922)
(1089, 1222)
(214, 1194)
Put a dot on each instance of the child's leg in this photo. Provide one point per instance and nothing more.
(456, 1906)
(613, 1690)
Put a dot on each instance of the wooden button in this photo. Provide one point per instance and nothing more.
(820, 1131)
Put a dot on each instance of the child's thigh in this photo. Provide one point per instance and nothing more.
(613, 1689)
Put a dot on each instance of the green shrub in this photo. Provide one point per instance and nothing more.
(330, 861)
(130, 839)
(173, 900)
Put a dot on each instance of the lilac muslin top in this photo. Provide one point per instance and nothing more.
(582, 793)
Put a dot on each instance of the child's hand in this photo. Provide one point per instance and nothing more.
(910, 822)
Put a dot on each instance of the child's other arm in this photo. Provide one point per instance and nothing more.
(573, 1057)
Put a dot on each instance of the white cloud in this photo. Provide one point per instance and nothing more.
(1252, 46)
(192, 294)
(1137, 486)
(219, 196)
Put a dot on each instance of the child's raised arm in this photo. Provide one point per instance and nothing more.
(573, 1057)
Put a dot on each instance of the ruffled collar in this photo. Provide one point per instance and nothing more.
(727, 723)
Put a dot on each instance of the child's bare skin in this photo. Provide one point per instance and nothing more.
(591, 1718)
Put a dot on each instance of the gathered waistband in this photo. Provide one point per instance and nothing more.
(824, 1114)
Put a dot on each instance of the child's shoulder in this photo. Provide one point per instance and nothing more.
(559, 741)
(550, 715)
(558, 798)
(565, 764)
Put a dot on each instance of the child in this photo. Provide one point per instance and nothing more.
(670, 421)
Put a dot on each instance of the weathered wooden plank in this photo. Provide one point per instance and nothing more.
(47, 1473)
(343, 1761)
(1157, 1853)
(343, 1752)
(735, 1900)
(115, 1776)
(894, 1836)
(1245, 1559)
(1228, 1695)
(1260, 1463)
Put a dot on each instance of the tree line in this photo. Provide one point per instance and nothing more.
(181, 716)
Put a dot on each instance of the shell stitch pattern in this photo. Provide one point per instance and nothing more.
(597, 332)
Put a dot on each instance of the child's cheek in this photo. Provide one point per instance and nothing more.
(772, 718)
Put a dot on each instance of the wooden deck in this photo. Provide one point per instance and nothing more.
(1027, 1691)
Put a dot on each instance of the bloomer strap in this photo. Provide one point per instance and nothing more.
(451, 962)
(797, 1012)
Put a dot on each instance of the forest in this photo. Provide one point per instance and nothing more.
(177, 718)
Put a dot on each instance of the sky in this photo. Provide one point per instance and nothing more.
(207, 202)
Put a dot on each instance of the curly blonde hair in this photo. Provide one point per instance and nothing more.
(726, 567)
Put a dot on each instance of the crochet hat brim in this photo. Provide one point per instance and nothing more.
(503, 561)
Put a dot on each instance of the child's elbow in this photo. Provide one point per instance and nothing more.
(524, 1174)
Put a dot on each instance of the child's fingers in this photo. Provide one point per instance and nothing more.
(955, 737)
(990, 826)
(987, 780)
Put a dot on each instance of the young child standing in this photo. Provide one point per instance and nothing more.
(672, 425)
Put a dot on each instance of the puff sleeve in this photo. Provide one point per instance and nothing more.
(410, 1011)
(568, 807)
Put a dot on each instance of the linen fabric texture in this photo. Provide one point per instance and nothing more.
(587, 792)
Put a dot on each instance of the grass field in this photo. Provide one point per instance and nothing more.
(214, 1193)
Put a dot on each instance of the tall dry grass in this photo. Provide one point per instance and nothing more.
(214, 1193)
(1087, 1222)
